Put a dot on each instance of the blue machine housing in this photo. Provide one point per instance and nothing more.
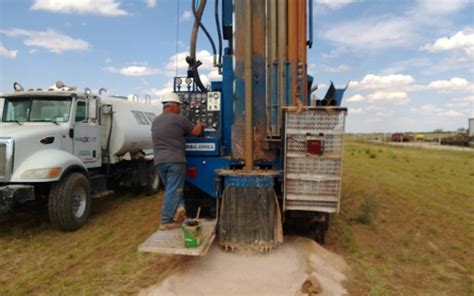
(204, 162)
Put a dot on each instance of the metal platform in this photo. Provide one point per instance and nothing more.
(172, 242)
(313, 181)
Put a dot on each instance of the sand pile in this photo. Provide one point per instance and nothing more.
(298, 267)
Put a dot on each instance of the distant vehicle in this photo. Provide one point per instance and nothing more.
(64, 146)
(460, 139)
(420, 137)
(401, 137)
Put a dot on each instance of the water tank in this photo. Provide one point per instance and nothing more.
(131, 127)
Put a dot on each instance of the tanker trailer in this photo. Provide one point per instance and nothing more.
(63, 147)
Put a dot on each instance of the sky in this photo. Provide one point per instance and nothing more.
(409, 64)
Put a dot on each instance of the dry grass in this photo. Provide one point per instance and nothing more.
(420, 205)
(101, 258)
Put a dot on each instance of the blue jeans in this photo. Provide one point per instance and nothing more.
(172, 175)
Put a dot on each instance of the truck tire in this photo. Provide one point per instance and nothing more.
(153, 182)
(69, 202)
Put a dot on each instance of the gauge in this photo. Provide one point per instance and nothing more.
(178, 81)
(193, 103)
(188, 80)
(186, 95)
(198, 96)
(204, 96)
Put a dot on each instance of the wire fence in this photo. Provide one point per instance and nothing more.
(427, 145)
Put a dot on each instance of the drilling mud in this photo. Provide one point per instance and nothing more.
(298, 267)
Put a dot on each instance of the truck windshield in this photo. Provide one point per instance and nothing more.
(36, 109)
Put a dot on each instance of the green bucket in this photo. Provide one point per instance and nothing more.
(192, 232)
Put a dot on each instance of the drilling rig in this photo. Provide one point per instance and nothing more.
(269, 153)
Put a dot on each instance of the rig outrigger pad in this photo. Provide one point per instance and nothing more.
(250, 217)
(172, 241)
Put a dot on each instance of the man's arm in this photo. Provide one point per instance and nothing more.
(197, 130)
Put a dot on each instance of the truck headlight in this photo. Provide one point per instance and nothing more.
(41, 173)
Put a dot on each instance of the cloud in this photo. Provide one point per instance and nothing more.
(214, 75)
(204, 56)
(457, 105)
(394, 29)
(356, 111)
(5, 52)
(136, 71)
(186, 16)
(465, 99)
(150, 3)
(429, 108)
(50, 39)
(334, 52)
(384, 113)
(462, 40)
(453, 85)
(404, 65)
(394, 97)
(356, 98)
(451, 113)
(441, 7)
(102, 7)
(373, 33)
(371, 81)
(334, 4)
(338, 69)
(312, 68)
(160, 92)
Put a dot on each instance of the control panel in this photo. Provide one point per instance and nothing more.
(202, 106)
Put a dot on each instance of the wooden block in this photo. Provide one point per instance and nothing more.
(172, 241)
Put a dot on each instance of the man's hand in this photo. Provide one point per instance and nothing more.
(197, 130)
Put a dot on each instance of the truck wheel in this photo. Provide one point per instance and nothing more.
(153, 181)
(69, 202)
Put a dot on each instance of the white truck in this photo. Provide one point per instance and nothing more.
(64, 147)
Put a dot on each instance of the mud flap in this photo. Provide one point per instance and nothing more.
(250, 217)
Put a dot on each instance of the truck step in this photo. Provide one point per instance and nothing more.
(103, 194)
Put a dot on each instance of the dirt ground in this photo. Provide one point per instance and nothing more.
(298, 267)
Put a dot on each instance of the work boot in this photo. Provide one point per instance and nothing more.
(179, 215)
(169, 226)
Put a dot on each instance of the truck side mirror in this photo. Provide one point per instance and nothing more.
(92, 109)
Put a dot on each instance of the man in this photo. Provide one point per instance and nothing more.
(168, 132)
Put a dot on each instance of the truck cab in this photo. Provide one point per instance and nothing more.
(52, 148)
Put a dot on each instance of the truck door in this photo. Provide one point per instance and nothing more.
(87, 138)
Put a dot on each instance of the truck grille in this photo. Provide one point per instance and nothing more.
(6, 158)
(3, 160)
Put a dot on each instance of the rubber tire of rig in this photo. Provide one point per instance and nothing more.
(60, 203)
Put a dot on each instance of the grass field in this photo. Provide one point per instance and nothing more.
(406, 222)
(405, 227)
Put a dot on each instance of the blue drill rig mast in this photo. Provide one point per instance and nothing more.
(268, 153)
